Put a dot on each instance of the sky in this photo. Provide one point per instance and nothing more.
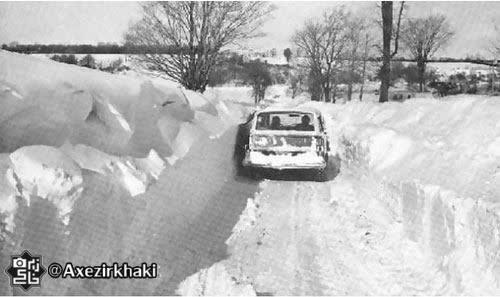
(92, 22)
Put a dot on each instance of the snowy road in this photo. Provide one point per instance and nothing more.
(310, 238)
(401, 218)
(180, 223)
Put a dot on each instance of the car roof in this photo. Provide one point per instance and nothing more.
(297, 109)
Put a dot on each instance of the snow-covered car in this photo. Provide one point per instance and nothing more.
(284, 138)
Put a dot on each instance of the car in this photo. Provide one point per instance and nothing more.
(286, 138)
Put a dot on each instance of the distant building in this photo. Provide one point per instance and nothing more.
(464, 71)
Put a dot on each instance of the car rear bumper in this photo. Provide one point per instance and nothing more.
(304, 160)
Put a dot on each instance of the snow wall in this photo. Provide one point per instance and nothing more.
(97, 167)
(436, 164)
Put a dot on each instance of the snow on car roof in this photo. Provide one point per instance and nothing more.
(291, 109)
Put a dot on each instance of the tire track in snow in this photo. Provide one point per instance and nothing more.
(279, 253)
(300, 243)
(309, 278)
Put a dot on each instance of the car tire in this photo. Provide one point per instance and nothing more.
(254, 173)
(322, 175)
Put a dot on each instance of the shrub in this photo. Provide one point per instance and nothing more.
(68, 59)
(88, 61)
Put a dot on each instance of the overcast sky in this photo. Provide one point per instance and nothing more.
(92, 22)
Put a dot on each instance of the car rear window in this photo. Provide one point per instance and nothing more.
(297, 121)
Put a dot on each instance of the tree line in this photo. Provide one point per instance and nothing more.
(93, 49)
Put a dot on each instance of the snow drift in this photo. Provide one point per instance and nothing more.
(50, 106)
(47, 103)
(93, 166)
(437, 164)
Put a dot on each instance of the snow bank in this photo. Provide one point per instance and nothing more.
(48, 173)
(214, 281)
(45, 102)
(135, 174)
(438, 164)
(57, 120)
(8, 204)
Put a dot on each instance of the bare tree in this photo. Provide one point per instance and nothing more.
(323, 42)
(357, 53)
(423, 37)
(194, 33)
(367, 43)
(388, 35)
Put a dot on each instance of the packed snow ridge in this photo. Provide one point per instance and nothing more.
(438, 163)
(57, 120)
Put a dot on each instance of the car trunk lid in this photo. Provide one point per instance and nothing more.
(283, 142)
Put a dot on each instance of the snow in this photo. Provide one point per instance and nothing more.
(413, 211)
(494, 147)
(303, 159)
(277, 95)
(440, 160)
(119, 118)
(183, 141)
(48, 173)
(216, 281)
(57, 119)
(421, 139)
(8, 203)
(102, 168)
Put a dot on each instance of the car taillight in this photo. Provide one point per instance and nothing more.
(260, 140)
(319, 144)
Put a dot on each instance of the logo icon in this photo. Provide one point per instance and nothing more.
(25, 271)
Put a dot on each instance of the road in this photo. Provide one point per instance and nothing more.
(333, 238)
(304, 237)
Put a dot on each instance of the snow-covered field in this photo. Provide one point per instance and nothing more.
(97, 167)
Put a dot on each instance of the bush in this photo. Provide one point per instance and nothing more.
(68, 59)
(219, 76)
(397, 71)
(88, 61)
(346, 76)
(409, 73)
